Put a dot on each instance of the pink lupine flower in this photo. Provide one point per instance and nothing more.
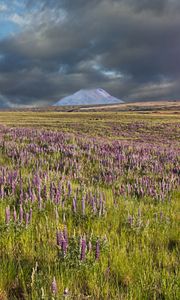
(7, 215)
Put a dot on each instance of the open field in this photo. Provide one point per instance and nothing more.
(172, 107)
(89, 205)
(138, 106)
(112, 125)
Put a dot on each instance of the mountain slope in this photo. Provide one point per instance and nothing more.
(88, 97)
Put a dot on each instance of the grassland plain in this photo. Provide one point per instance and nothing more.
(89, 205)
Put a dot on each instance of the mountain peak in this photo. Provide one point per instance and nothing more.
(88, 97)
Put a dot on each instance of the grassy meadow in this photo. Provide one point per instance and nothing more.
(89, 205)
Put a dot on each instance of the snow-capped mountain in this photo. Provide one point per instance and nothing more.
(88, 97)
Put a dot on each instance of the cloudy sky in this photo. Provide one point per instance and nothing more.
(52, 48)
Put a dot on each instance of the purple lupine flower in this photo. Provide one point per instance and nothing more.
(65, 234)
(97, 252)
(45, 192)
(32, 196)
(59, 238)
(29, 186)
(21, 214)
(7, 215)
(54, 287)
(39, 190)
(69, 189)
(15, 214)
(21, 197)
(83, 248)
(51, 191)
(57, 198)
(64, 247)
(13, 187)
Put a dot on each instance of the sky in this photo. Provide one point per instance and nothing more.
(52, 48)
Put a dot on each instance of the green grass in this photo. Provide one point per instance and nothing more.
(136, 262)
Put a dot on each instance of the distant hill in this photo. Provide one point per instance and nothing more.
(88, 97)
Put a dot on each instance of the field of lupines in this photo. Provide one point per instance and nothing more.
(90, 216)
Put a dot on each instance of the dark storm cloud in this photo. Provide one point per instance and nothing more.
(128, 47)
